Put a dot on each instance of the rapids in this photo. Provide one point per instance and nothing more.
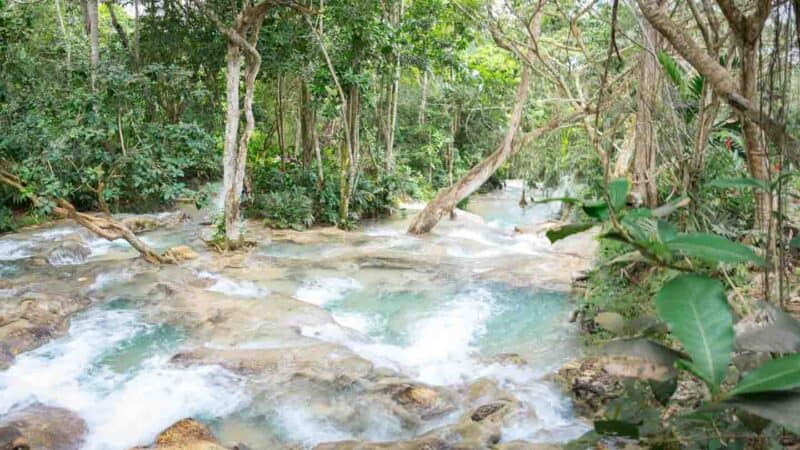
(305, 338)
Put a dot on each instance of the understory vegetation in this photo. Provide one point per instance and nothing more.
(675, 123)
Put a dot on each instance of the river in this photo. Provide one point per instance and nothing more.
(312, 337)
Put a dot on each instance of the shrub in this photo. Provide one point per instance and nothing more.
(283, 209)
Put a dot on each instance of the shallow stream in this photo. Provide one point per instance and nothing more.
(472, 301)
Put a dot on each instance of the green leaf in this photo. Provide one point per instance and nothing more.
(795, 242)
(618, 193)
(713, 248)
(697, 311)
(617, 428)
(666, 231)
(556, 234)
(596, 210)
(671, 68)
(775, 375)
(740, 183)
(570, 200)
(663, 390)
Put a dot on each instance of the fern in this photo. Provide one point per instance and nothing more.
(672, 69)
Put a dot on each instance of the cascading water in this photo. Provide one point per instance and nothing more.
(427, 309)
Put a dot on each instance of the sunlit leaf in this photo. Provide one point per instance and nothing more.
(696, 309)
(558, 233)
(775, 375)
(713, 248)
(618, 193)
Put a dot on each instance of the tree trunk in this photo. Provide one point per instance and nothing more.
(230, 147)
(718, 76)
(757, 158)
(645, 143)
(447, 199)
(706, 114)
(451, 143)
(423, 103)
(104, 227)
(279, 121)
(349, 160)
(94, 41)
(66, 37)
(308, 126)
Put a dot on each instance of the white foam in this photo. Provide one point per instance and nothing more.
(440, 346)
(121, 409)
(55, 233)
(322, 290)
(108, 278)
(158, 396)
(11, 249)
(237, 288)
(359, 322)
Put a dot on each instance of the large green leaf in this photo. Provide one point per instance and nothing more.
(618, 193)
(558, 233)
(698, 314)
(713, 248)
(775, 375)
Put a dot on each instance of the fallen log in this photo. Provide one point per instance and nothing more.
(104, 227)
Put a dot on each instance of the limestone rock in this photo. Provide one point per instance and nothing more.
(590, 385)
(12, 439)
(323, 362)
(180, 253)
(42, 427)
(185, 434)
(32, 321)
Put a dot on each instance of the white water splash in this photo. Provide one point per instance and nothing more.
(440, 346)
(236, 288)
(322, 290)
(106, 279)
(11, 249)
(121, 409)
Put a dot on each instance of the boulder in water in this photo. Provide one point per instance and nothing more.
(42, 427)
(12, 439)
(321, 362)
(180, 253)
(71, 250)
(185, 434)
(32, 321)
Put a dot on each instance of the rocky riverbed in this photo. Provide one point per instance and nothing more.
(319, 339)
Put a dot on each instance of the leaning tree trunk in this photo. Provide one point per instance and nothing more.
(447, 199)
(230, 145)
(644, 165)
